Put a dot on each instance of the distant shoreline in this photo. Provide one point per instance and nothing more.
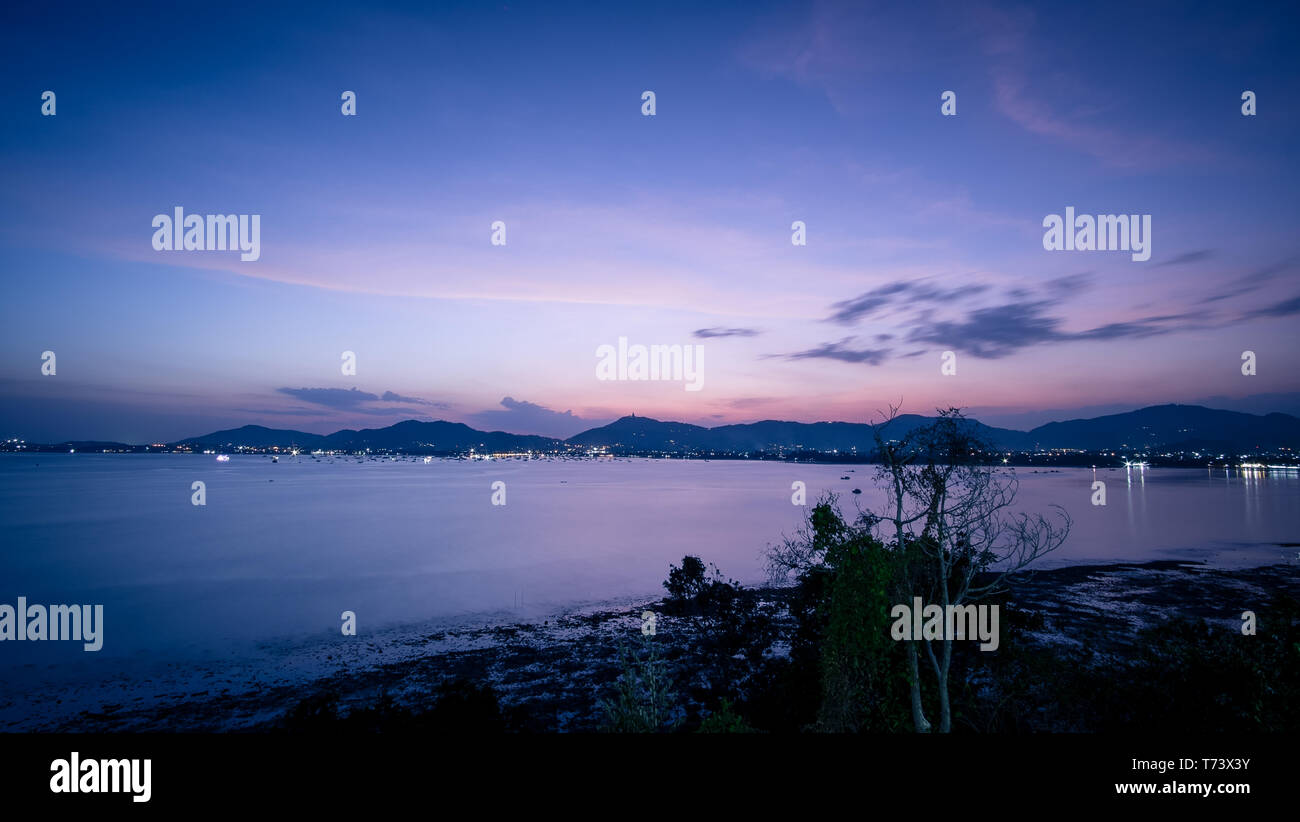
(1099, 461)
(1186, 433)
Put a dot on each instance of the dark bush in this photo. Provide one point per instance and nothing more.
(461, 707)
(725, 720)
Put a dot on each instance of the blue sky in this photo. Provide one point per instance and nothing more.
(924, 231)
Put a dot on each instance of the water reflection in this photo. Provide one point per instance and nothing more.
(282, 545)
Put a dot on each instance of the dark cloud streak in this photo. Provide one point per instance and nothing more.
(355, 400)
(340, 398)
(1189, 257)
(710, 333)
(916, 295)
(841, 351)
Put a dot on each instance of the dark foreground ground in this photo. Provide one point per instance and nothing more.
(1082, 649)
(552, 676)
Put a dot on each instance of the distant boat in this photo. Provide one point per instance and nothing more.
(223, 458)
(275, 459)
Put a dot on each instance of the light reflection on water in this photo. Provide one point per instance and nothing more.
(282, 549)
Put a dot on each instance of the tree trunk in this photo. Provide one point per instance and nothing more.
(919, 722)
(945, 711)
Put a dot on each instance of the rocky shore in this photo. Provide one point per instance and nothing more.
(550, 676)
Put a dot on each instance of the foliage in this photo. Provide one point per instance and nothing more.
(845, 672)
(733, 622)
(863, 681)
(644, 700)
(693, 591)
(948, 522)
(1190, 675)
(687, 584)
(725, 720)
(1186, 674)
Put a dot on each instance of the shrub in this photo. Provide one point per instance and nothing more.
(687, 583)
(725, 720)
(644, 700)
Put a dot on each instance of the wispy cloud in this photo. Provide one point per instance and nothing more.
(1189, 257)
(999, 331)
(390, 396)
(752, 402)
(709, 333)
(354, 399)
(842, 351)
(1285, 308)
(916, 295)
(1253, 280)
(993, 332)
(1015, 99)
(1015, 69)
(926, 314)
(829, 47)
(340, 398)
(523, 417)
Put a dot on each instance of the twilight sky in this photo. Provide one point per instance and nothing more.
(924, 232)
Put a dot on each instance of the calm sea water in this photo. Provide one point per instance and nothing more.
(281, 549)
